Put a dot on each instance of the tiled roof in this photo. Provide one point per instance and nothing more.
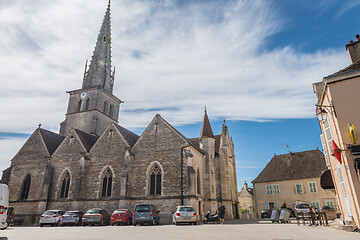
(129, 136)
(352, 68)
(291, 166)
(52, 140)
(87, 140)
(206, 130)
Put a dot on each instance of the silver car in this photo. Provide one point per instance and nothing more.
(51, 217)
(71, 218)
(302, 208)
(184, 214)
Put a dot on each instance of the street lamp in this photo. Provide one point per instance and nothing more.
(323, 110)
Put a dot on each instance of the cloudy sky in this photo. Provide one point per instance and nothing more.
(250, 62)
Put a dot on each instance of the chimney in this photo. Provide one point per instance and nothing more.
(353, 49)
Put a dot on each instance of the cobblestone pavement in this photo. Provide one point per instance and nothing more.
(233, 230)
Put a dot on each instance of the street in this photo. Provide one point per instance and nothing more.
(232, 230)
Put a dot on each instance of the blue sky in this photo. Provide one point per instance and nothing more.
(250, 62)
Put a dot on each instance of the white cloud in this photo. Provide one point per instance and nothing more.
(8, 148)
(170, 56)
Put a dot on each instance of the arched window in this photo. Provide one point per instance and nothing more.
(87, 104)
(105, 106)
(110, 110)
(79, 106)
(198, 190)
(65, 185)
(26, 188)
(155, 180)
(107, 184)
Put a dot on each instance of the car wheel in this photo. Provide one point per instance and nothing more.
(134, 223)
(84, 225)
(41, 225)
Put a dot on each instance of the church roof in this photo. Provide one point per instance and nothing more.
(87, 140)
(292, 166)
(129, 136)
(206, 130)
(52, 140)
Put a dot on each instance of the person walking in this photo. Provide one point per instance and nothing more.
(221, 212)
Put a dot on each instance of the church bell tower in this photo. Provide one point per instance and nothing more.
(94, 106)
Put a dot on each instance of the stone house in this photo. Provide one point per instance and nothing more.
(95, 162)
(292, 178)
(246, 201)
(337, 98)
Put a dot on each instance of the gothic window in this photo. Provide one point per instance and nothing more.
(110, 110)
(155, 180)
(198, 182)
(105, 106)
(87, 104)
(106, 183)
(26, 188)
(79, 106)
(65, 183)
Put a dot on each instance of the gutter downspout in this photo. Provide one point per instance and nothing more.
(182, 175)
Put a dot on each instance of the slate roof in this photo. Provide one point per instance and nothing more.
(87, 140)
(291, 166)
(196, 142)
(349, 69)
(52, 140)
(206, 130)
(6, 176)
(129, 136)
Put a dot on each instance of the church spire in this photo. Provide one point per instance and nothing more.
(99, 72)
(206, 130)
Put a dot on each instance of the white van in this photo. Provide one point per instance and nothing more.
(4, 204)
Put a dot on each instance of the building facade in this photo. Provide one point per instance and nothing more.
(246, 201)
(292, 178)
(95, 162)
(339, 121)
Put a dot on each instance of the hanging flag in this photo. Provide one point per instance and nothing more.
(336, 151)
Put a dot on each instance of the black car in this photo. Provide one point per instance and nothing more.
(266, 213)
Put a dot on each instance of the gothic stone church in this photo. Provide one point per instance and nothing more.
(94, 162)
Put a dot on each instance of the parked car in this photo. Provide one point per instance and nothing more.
(302, 208)
(51, 217)
(71, 218)
(4, 204)
(145, 213)
(121, 216)
(96, 216)
(184, 214)
(292, 212)
(266, 213)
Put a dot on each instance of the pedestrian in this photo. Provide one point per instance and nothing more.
(283, 205)
(221, 212)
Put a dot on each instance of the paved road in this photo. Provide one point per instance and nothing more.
(237, 230)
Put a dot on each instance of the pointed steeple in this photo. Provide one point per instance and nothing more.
(99, 72)
(206, 130)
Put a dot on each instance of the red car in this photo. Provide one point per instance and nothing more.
(121, 216)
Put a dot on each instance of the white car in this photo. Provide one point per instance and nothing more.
(302, 208)
(4, 204)
(184, 214)
(51, 217)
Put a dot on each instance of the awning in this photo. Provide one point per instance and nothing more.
(326, 180)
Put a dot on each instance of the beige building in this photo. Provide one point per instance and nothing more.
(339, 119)
(292, 178)
(246, 201)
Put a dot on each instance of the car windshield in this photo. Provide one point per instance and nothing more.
(302, 206)
(71, 213)
(92, 211)
(142, 208)
(50, 212)
(120, 211)
(186, 209)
